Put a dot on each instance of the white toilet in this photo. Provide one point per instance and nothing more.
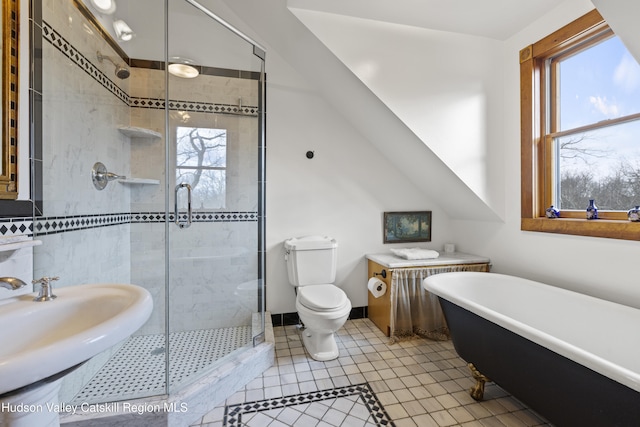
(323, 307)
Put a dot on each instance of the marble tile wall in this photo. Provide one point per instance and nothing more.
(119, 234)
(83, 105)
(216, 256)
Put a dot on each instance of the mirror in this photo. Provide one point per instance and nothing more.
(9, 104)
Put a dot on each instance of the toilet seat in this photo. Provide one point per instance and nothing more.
(322, 297)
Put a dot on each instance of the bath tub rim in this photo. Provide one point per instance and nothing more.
(440, 286)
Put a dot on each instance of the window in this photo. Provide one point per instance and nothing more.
(580, 126)
(201, 161)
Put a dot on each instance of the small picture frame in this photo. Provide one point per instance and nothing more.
(404, 227)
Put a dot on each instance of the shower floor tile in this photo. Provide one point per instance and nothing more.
(137, 369)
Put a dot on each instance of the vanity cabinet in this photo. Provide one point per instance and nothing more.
(379, 309)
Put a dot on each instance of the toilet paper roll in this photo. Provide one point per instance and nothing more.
(377, 287)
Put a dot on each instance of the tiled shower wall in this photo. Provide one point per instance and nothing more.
(118, 234)
(213, 265)
(85, 232)
(17, 263)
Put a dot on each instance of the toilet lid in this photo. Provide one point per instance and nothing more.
(322, 297)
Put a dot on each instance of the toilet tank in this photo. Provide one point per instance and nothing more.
(311, 260)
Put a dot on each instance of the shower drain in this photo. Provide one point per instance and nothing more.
(157, 351)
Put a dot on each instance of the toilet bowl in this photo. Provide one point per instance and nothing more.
(322, 307)
(323, 310)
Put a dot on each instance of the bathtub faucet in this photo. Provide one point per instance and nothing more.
(11, 283)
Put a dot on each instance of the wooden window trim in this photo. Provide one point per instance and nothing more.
(535, 185)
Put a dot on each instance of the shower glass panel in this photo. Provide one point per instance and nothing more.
(187, 221)
(213, 173)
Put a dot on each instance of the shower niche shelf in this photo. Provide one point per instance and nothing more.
(143, 181)
(138, 132)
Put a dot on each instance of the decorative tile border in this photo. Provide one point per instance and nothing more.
(288, 319)
(11, 227)
(59, 224)
(67, 49)
(208, 107)
(153, 103)
(233, 413)
(200, 216)
(220, 217)
(62, 224)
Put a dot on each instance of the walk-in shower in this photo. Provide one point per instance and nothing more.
(184, 215)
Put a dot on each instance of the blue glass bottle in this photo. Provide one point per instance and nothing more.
(552, 212)
(592, 210)
(634, 214)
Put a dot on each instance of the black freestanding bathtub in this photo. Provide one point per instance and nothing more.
(570, 357)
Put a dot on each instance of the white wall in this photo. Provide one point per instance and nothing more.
(603, 267)
(445, 87)
(342, 192)
(316, 103)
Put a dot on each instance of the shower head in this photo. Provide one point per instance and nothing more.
(122, 72)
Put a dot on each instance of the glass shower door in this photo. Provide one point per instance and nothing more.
(214, 193)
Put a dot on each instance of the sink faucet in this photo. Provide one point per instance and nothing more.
(45, 289)
(11, 283)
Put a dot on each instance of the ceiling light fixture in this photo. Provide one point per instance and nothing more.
(123, 31)
(182, 67)
(104, 6)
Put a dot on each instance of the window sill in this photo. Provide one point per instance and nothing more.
(612, 229)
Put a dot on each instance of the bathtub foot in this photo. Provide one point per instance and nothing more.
(477, 391)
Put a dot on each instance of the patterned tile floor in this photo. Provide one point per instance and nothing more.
(412, 383)
(138, 368)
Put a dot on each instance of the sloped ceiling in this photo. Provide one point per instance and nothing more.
(286, 36)
(443, 86)
(367, 23)
(496, 19)
(437, 67)
(622, 16)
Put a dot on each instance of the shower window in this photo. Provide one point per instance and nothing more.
(201, 160)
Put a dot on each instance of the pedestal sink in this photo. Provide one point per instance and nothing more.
(41, 341)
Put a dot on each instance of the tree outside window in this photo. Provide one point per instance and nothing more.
(595, 102)
(201, 161)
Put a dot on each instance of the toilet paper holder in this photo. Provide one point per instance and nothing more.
(383, 273)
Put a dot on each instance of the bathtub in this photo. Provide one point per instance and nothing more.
(572, 358)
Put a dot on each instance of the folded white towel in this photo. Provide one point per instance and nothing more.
(415, 253)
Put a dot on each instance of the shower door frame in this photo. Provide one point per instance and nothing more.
(36, 163)
(171, 208)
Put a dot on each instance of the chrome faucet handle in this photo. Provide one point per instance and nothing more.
(46, 290)
(11, 283)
